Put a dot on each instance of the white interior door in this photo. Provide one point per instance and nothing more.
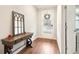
(70, 29)
(48, 23)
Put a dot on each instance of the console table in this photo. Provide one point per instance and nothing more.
(8, 43)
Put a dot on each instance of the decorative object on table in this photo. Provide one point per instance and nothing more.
(10, 37)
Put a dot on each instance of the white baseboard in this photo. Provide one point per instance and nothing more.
(46, 37)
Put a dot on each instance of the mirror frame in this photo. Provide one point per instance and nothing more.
(13, 23)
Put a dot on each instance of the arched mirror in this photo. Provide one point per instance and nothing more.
(18, 23)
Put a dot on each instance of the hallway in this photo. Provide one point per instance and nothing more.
(42, 46)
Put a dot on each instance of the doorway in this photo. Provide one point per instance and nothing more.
(47, 23)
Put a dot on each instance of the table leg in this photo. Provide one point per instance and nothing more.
(29, 42)
(7, 49)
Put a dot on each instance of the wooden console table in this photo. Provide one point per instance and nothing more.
(8, 43)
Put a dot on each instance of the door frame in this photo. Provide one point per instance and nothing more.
(65, 29)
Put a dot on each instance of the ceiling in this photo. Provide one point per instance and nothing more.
(45, 7)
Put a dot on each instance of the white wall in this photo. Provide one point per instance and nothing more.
(59, 20)
(61, 28)
(53, 19)
(6, 21)
(31, 20)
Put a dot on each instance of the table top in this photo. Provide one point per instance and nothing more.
(17, 38)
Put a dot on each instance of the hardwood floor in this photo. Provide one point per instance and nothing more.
(42, 46)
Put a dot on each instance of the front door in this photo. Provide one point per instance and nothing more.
(48, 24)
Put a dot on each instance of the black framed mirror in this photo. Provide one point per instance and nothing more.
(18, 23)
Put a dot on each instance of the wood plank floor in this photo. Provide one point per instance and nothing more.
(42, 46)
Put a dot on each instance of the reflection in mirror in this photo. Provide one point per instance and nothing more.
(18, 23)
(16, 31)
(15, 24)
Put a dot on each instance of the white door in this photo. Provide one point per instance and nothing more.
(48, 23)
(70, 29)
